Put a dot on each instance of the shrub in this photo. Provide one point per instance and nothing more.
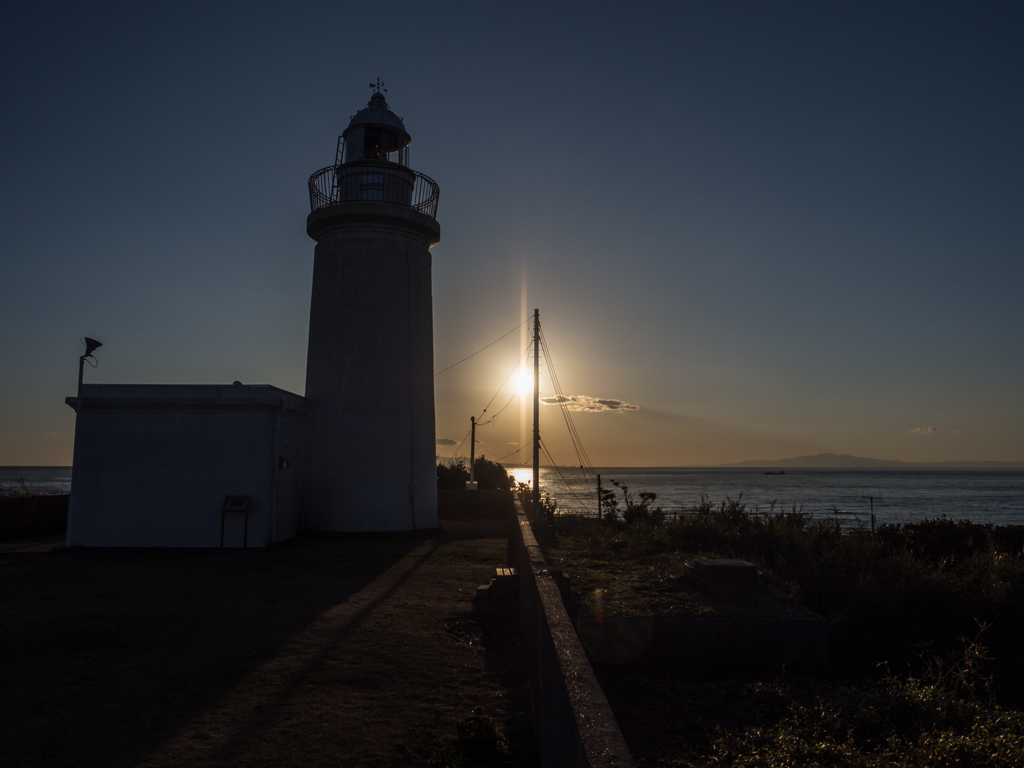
(26, 512)
(634, 511)
(453, 474)
(884, 596)
(938, 539)
(491, 476)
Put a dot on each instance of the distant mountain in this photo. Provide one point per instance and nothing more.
(845, 461)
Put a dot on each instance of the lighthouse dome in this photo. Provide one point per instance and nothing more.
(376, 133)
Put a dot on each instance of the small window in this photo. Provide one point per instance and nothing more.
(373, 145)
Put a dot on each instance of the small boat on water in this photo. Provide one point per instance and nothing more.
(780, 472)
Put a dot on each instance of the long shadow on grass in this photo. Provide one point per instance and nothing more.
(297, 680)
(505, 658)
(105, 654)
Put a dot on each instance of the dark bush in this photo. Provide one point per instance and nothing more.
(452, 474)
(635, 511)
(885, 596)
(938, 539)
(33, 515)
(490, 476)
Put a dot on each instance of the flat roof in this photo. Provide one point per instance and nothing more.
(190, 397)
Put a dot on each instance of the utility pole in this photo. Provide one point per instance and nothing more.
(472, 449)
(599, 497)
(536, 412)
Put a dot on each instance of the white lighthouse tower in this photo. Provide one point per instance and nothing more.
(370, 450)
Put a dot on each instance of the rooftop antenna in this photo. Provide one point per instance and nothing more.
(91, 345)
(377, 88)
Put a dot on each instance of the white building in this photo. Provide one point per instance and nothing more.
(155, 465)
(236, 465)
(370, 365)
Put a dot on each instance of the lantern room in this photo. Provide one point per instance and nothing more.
(371, 165)
(375, 133)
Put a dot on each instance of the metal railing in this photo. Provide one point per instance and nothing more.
(373, 181)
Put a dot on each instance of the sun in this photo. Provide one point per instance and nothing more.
(524, 382)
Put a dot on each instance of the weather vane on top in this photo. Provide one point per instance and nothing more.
(379, 86)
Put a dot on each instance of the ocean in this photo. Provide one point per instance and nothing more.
(900, 495)
(35, 479)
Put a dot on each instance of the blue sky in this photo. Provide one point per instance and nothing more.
(778, 229)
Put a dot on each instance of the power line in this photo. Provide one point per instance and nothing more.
(456, 452)
(478, 422)
(480, 350)
(581, 452)
(565, 482)
(518, 362)
(517, 450)
(570, 425)
(495, 415)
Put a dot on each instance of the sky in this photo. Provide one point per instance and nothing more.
(770, 229)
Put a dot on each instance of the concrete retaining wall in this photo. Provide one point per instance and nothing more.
(456, 504)
(573, 722)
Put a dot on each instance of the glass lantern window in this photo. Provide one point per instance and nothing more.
(373, 142)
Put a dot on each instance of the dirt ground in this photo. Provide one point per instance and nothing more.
(340, 651)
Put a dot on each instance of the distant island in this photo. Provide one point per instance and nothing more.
(845, 461)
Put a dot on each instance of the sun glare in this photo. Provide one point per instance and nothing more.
(522, 475)
(524, 382)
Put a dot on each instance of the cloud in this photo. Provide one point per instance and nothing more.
(590, 404)
(513, 443)
(445, 441)
(924, 431)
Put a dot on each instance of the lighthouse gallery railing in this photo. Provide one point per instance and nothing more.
(370, 181)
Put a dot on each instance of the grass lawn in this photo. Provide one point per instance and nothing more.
(321, 651)
(914, 679)
(655, 584)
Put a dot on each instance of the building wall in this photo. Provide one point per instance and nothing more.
(370, 372)
(153, 464)
(291, 446)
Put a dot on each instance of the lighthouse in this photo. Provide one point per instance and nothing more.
(370, 443)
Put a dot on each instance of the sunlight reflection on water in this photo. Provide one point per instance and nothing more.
(522, 475)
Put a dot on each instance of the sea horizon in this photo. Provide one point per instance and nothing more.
(895, 494)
